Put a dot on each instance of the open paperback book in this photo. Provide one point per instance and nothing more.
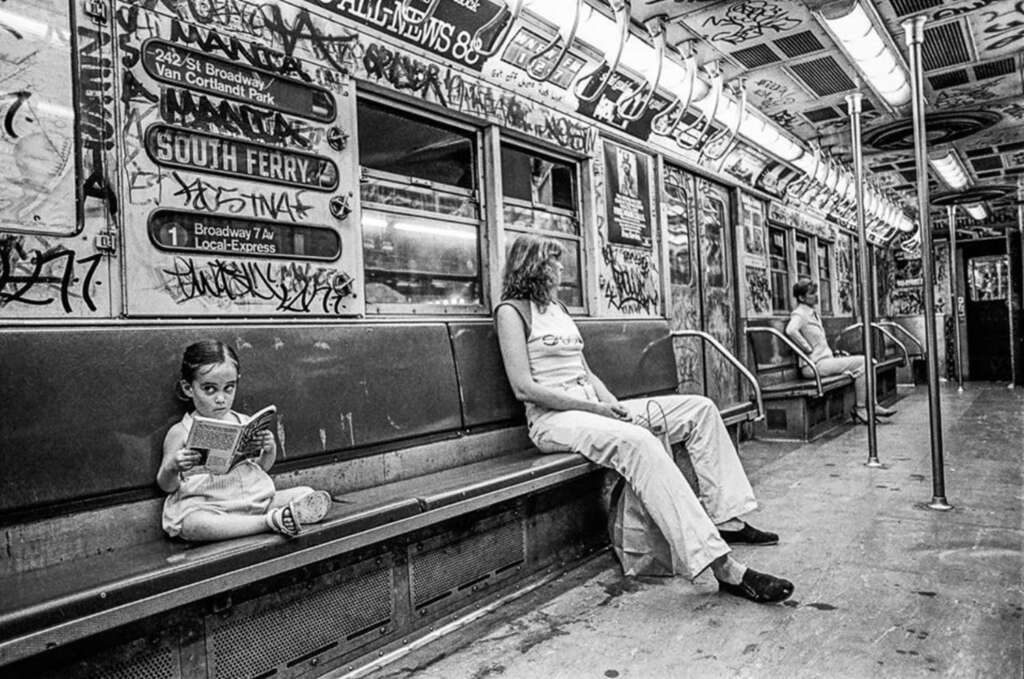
(225, 443)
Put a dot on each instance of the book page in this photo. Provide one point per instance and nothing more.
(213, 435)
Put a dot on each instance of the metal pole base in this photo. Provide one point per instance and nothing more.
(874, 463)
(1010, 386)
(939, 504)
(959, 390)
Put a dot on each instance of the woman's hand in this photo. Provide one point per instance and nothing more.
(186, 458)
(616, 411)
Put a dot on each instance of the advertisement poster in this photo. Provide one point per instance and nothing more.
(627, 196)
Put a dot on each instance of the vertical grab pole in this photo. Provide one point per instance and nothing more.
(914, 30)
(1009, 311)
(853, 102)
(953, 283)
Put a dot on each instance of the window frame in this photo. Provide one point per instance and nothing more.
(826, 245)
(579, 165)
(477, 194)
(789, 265)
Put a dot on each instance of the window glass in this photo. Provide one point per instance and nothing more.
(988, 278)
(803, 256)
(678, 187)
(421, 217)
(778, 258)
(540, 195)
(824, 278)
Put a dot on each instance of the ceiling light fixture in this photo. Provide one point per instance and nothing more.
(977, 211)
(877, 61)
(950, 170)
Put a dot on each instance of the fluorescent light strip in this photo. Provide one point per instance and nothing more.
(950, 170)
(977, 211)
(864, 45)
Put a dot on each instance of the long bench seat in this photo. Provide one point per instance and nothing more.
(101, 563)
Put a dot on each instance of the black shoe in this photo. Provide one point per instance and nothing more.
(749, 535)
(760, 588)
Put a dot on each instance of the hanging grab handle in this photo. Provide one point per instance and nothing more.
(705, 118)
(579, 88)
(424, 18)
(628, 107)
(503, 33)
(666, 121)
(534, 67)
(728, 135)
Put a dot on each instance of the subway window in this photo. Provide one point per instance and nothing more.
(540, 194)
(802, 250)
(778, 261)
(824, 278)
(421, 216)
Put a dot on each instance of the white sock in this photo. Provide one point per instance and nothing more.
(729, 570)
(731, 524)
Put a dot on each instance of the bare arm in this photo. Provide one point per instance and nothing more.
(177, 458)
(512, 339)
(794, 330)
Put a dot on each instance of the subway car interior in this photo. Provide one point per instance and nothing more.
(318, 205)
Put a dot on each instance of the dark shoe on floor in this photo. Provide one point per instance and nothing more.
(748, 535)
(760, 588)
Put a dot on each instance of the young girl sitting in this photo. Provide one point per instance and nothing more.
(243, 501)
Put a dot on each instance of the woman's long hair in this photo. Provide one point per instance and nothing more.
(528, 270)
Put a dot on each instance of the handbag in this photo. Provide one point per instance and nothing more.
(636, 540)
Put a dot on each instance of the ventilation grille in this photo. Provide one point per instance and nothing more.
(294, 624)
(441, 573)
(1006, 148)
(944, 46)
(162, 664)
(818, 115)
(758, 55)
(982, 151)
(989, 163)
(993, 69)
(799, 44)
(944, 80)
(823, 76)
(904, 7)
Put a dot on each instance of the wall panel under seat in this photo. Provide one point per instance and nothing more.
(630, 357)
(85, 410)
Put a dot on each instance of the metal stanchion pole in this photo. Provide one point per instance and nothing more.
(914, 30)
(953, 282)
(853, 102)
(1009, 311)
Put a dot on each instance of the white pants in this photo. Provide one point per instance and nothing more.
(837, 365)
(636, 454)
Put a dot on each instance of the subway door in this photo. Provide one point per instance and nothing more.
(680, 214)
(987, 274)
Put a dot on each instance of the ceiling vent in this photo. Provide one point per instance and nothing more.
(820, 115)
(941, 81)
(944, 46)
(974, 194)
(799, 44)
(987, 163)
(993, 69)
(905, 7)
(753, 57)
(824, 76)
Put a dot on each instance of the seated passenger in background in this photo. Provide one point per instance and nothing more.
(569, 409)
(242, 501)
(806, 330)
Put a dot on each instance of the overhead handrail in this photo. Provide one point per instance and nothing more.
(499, 40)
(731, 133)
(621, 10)
(796, 350)
(626, 107)
(705, 118)
(533, 65)
(885, 333)
(732, 359)
(427, 13)
(676, 111)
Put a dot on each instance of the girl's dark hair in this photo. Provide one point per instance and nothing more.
(803, 287)
(203, 353)
(528, 271)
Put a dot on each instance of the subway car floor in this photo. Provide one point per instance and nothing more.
(884, 586)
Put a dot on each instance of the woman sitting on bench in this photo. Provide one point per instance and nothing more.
(569, 409)
(806, 330)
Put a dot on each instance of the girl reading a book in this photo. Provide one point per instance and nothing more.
(243, 501)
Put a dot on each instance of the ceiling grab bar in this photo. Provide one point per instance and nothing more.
(424, 18)
(533, 66)
(676, 111)
(503, 33)
(621, 9)
(732, 359)
(627, 107)
(705, 118)
(729, 135)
